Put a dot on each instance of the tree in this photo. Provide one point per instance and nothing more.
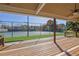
(60, 27)
(44, 27)
(50, 23)
(73, 26)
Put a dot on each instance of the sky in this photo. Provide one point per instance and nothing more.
(23, 18)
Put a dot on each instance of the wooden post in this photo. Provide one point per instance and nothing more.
(54, 30)
(1, 41)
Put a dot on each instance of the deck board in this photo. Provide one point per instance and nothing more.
(41, 49)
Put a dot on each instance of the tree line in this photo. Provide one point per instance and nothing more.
(43, 27)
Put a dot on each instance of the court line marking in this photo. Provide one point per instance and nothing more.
(60, 54)
(69, 50)
(25, 47)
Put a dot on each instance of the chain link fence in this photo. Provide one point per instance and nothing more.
(17, 31)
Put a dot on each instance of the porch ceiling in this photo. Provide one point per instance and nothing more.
(57, 10)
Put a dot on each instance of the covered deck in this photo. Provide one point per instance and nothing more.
(65, 46)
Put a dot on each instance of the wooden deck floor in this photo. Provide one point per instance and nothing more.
(42, 49)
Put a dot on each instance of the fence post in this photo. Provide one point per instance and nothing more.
(49, 29)
(12, 29)
(54, 30)
(40, 30)
(28, 26)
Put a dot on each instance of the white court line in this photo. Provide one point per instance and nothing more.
(24, 47)
(60, 54)
(73, 48)
(69, 50)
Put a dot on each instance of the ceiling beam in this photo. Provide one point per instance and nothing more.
(15, 9)
(50, 15)
(39, 8)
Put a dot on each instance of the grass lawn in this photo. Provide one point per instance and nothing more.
(21, 38)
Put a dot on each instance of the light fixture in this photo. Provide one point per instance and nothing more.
(76, 13)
